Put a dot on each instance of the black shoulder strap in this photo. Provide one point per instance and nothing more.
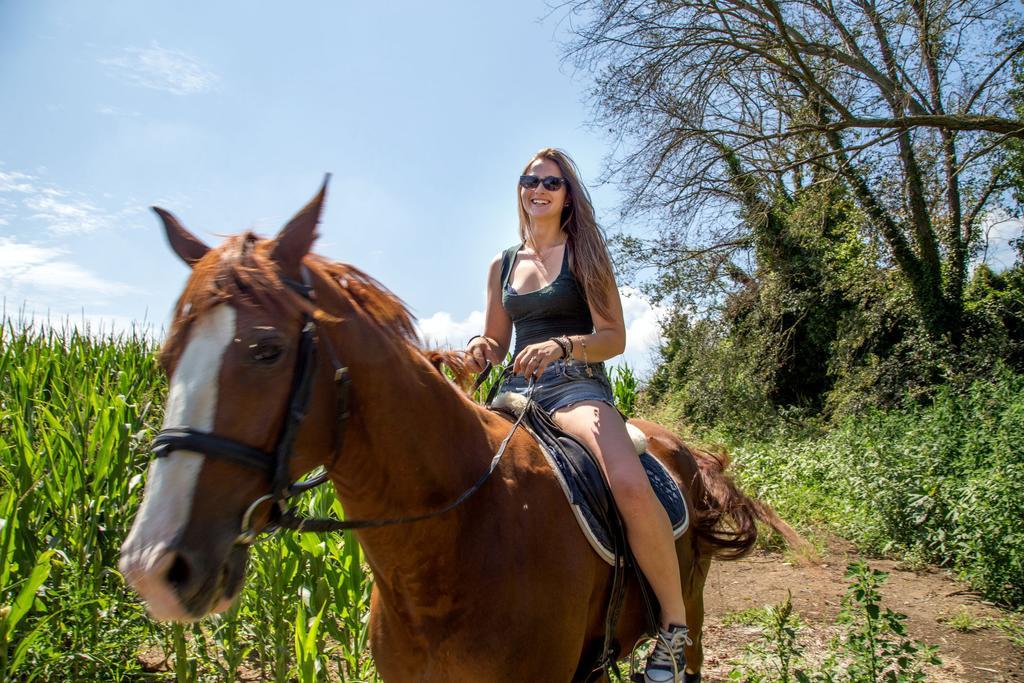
(507, 258)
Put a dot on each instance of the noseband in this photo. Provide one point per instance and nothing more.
(275, 465)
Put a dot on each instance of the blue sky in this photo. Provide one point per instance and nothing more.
(229, 113)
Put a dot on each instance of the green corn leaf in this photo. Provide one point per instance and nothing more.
(23, 602)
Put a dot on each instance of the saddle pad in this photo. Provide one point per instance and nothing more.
(575, 469)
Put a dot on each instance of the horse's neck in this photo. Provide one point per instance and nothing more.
(415, 442)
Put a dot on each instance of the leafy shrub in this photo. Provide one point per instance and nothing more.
(707, 379)
(943, 482)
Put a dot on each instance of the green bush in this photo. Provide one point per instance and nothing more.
(942, 482)
(705, 378)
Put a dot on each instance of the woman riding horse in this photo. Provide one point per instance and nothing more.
(280, 361)
(556, 289)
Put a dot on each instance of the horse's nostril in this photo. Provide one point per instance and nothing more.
(179, 572)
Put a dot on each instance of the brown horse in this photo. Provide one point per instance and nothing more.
(502, 588)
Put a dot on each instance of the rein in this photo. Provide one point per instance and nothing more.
(276, 464)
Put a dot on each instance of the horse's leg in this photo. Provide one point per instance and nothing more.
(695, 574)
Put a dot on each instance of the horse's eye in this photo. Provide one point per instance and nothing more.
(266, 350)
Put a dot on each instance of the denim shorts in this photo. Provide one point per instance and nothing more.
(564, 383)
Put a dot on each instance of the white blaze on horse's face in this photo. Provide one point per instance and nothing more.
(191, 402)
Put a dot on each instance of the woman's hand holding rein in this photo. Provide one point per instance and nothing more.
(480, 349)
(533, 359)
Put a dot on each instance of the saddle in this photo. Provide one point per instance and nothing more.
(590, 500)
(582, 481)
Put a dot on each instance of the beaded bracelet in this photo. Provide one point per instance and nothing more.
(567, 341)
(562, 345)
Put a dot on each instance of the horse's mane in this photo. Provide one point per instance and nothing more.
(242, 268)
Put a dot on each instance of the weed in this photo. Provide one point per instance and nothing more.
(872, 647)
(1012, 627)
(875, 646)
(751, 616)
(964, 622)
(776, 655)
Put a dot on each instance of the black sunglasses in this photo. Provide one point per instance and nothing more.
(552, 183)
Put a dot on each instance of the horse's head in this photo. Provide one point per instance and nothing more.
(232, 357)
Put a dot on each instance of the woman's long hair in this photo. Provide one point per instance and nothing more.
(588, 253)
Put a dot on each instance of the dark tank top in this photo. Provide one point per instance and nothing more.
(551, 311)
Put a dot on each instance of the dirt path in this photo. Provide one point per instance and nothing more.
(928, 598)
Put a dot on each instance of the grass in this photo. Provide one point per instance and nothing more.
(1012, 626)
(751, 616)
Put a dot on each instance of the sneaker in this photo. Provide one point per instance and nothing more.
(667, 661)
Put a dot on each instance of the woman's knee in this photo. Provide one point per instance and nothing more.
(629, 485)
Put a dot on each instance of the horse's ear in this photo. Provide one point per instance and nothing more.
(186, 245)
(296, 239)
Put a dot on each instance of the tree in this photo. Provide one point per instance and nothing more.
(725, 108)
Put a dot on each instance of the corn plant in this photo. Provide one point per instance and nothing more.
(309, 661)
(624, 389)
(77, 413)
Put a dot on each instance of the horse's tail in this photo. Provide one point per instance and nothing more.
(726, 518)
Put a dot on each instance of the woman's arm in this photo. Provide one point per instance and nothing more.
(609, 337)
(493, 344)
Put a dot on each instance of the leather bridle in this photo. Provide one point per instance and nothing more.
(275, 464)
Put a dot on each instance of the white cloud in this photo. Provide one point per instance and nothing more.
(441, 329)
(642, 320)
(13, 181)
(108, 110)
(64, 215)
(61, 212)
(31, 267)
(158, 68)
(643, 331)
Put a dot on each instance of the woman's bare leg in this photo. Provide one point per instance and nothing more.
(648, 528)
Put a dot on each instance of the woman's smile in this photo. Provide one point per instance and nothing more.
(540, 202)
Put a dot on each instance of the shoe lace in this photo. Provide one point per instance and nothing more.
(668, 650)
